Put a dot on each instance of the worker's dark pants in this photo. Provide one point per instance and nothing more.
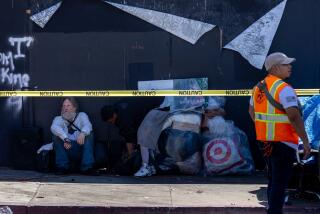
(280, 164)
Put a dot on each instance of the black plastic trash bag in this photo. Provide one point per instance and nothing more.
(45, 161)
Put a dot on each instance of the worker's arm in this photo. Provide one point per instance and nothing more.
(297, 123)
(251, 109)
(251, 112)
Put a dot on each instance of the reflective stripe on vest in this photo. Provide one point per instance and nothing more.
(272, 118)
(271, 110)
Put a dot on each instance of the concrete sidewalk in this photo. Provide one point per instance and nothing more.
(31, 192)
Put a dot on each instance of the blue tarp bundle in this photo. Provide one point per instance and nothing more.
(311, 116)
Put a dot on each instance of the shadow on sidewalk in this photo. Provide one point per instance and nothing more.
(10, 175)
(261, 195)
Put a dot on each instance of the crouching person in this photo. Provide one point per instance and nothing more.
(73, 139)
(121, 137)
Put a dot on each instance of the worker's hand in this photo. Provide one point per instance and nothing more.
(306, 149)
(67, 144)
(80, 139)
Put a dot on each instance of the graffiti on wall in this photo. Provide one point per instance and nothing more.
(11, 76)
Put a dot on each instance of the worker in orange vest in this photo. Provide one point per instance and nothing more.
(275, 109)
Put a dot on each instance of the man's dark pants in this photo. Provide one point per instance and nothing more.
(280, 164)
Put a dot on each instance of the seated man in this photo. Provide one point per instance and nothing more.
(73, 139)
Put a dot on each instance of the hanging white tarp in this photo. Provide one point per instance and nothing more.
(254, 43)
(44, 16)
(187, 29)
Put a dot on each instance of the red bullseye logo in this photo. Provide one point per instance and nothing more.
(218, 151)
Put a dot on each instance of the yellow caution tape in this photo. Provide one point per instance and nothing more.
(144, 93)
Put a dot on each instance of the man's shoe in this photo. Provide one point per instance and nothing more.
(61, 171)
(145, 170)
(91, 172)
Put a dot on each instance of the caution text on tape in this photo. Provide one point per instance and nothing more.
(143, 93)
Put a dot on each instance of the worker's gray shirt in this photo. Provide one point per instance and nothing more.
(59, 126)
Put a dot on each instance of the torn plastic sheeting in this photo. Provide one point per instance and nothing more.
(311, 116)
(187, 29)
(190, 20)
(233, 17)
(218, 126)
(37, 6)
(215, 102)
(178, 103)
(42, 17)
(254, 43)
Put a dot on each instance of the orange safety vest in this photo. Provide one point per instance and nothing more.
(271, 123)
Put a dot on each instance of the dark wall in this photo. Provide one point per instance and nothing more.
(91, 45)
(13, 23)
(92, 61)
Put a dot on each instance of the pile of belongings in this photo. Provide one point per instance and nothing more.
(182, 147)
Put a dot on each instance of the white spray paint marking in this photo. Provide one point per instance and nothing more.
(14, 104)
(7, 60)
(8, 74)
(13, 41)
(21, 80)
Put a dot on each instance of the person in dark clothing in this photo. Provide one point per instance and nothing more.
(123, 120)
(122, 129)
